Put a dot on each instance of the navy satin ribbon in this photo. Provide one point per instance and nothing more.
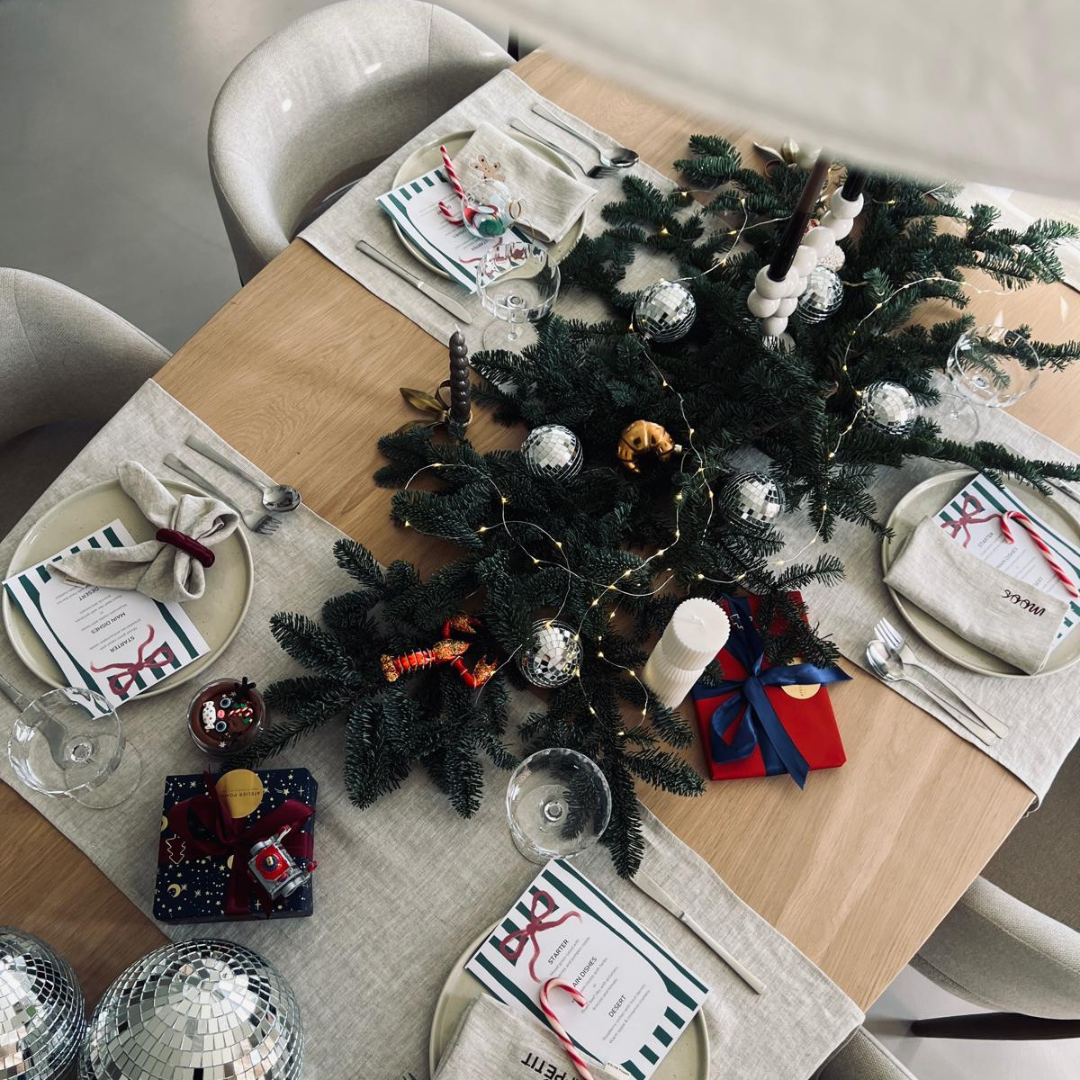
(760, 724)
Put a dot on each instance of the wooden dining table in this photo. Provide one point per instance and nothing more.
(300, 372)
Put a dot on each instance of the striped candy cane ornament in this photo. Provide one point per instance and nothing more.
(1040, 543)
(556, 1026)
(451, 215)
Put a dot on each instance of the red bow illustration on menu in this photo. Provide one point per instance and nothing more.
(513, 945)
(124, 679)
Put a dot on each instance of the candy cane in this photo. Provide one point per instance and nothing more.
(556, 1026)
(1040, 543)
(453, 216)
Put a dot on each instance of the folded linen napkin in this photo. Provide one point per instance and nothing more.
(984, 605)
(155, 567)
(552, 200)
(496, 1041)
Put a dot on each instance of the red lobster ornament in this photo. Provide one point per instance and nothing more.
(446, 651)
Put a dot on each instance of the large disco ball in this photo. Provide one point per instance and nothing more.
(553, 654)
(665, 311)
(42, 1012)
(196, 1010)
(753, 498)
(552, 452)
(890, 407)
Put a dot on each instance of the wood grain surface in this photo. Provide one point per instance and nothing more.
(856, 870)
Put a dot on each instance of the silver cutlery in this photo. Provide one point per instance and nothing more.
(618, 157)
(13, 694)
(651, 889)
(257, 521)
(447, 303)
(895, 641)
(277, 498)
(889, 667)
(1058, 486)
(595, 171)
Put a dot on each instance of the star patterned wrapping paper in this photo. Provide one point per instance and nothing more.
(193, 887)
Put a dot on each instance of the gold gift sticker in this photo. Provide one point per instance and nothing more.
(799, 691)
(242, 790)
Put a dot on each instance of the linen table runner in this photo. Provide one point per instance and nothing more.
(403, 887)
(356, 215)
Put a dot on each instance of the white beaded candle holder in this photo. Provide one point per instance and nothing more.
(696, 633)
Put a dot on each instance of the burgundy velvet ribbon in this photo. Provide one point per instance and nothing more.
(187, 544)
(224, 835)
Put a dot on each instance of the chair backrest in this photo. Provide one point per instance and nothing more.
(862, 1057)
(63, 356)
(326, 98)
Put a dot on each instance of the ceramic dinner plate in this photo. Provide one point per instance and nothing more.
(928, 498)
(217, 615)
(688, 1059)
(427, 157)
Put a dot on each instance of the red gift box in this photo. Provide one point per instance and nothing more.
(752, 744)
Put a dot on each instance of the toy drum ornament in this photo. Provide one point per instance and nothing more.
(275, 869)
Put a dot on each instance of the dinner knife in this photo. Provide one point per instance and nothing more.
(1057, 485)
(650, 888)
(448, 303)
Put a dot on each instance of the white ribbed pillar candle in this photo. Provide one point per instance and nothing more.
(697, 632)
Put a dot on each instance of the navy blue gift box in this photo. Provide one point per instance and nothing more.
(203, 852)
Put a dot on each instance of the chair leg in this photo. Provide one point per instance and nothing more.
(999, 1025)
(513, 44)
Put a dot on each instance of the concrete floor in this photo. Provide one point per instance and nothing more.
(104, 185)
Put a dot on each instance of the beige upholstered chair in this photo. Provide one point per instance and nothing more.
(862, 1057)
(324, 100)
(66, 365)
(1012, 943)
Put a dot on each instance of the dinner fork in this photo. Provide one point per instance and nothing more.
(895, 641)
(262, 523)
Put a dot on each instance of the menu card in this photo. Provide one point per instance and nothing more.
(639, 998)
(414, 206)
(116, 642)
(973, 519)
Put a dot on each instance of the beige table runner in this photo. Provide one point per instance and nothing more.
(404, 887)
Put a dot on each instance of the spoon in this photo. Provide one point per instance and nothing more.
(618, 157)
(890, 668)
(276, 498)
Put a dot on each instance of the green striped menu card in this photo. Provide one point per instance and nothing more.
(973, 519)
(639, 998)
(116, 642)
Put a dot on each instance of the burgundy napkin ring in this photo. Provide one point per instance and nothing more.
(187, 544)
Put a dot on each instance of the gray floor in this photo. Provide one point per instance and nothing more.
(104, 185)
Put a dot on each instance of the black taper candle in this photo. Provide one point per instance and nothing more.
(854, 184)
(460, 391)
(796, 226)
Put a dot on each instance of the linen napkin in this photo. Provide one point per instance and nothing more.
(495, 1042)
(984, 605)
(552, 200)
(156, 568)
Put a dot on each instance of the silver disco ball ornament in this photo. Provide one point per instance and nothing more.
(196, 1010)
(552, 452)
(753, 498)
(890, 407)
(823, 294)
(42, 1012)
(665, 311)
(553, 654)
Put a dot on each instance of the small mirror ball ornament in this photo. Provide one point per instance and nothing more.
(890, 407)
(665, 311)
(824, 293)
(553, 654)
(552, 452)
(754, 498)
(42, 1012)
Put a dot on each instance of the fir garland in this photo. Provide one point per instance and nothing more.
(735, 392)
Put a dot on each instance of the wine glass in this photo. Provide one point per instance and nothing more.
(558, 802)
(990, 366)
(517, 282)
(71, 742)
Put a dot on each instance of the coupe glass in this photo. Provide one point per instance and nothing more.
(71, 742)
(559, 803)
(990, 366)
(518, 283)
